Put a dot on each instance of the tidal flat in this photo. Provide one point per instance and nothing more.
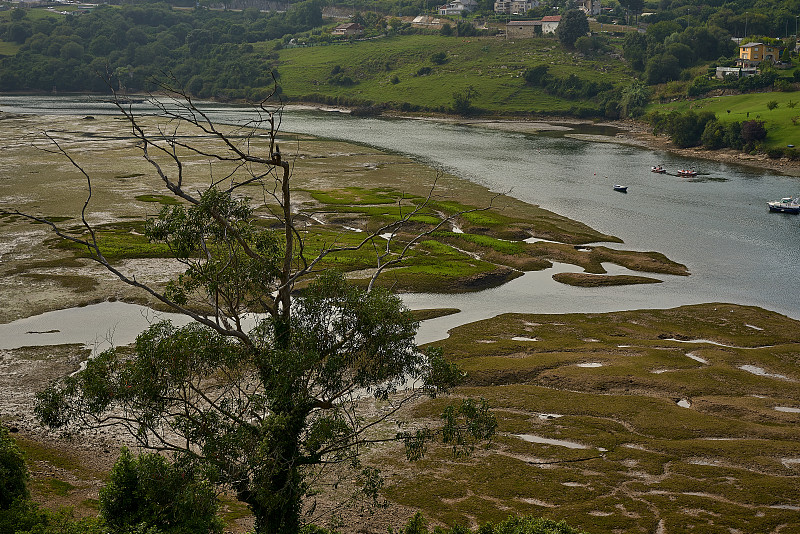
(342, 192)
(676, 434)
(641, 421)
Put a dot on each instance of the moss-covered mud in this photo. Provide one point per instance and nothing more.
(343, 191)
(674, 412)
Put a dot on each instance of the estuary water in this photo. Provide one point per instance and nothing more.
(716, 223)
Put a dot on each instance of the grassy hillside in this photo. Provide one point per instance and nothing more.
(780, 121)
(494, 66)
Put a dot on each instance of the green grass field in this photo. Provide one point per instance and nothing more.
(493, 66)
(8, 49)
(780, 122)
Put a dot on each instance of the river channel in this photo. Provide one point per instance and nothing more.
(716, 223)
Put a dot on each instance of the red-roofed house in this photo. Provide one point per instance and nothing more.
(550, 23)
(350, 28)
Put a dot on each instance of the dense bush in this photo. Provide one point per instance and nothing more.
(571, 87)
(147, 492)
(13, 472)
(703, 84)
(692, 129)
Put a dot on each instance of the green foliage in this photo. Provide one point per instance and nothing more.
(753, 131)
(572, 26)
(439, 58)
(634, 99)
(467, 424)
(257, 405)
(685, 129)
(772, 104)
(662, 68)
(462, 101)
(146, 492)
(13, 472)
(26, 517)
(209, 52)
(537, 75)
(634, 48)
(20, 515)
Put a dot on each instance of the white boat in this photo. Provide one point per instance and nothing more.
(658, 169)
(687, 172)
(621, 188)
(785, 205)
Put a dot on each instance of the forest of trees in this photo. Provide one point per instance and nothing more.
(210, 52)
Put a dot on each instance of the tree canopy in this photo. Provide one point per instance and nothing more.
(573, 25)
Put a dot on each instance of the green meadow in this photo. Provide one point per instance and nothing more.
(387, 70)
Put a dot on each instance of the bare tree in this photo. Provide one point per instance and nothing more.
(263, 407)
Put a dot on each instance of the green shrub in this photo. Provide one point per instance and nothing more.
(13, 472)
(147, 492)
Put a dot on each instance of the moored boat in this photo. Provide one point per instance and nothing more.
(621, 188)
(658, 168)
(785, 205)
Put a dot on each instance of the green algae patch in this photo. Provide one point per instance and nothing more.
(424, 315)
(356, 196)
(118, 241)
(591, 258)
(598, 280)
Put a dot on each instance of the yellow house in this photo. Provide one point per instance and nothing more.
(751, 54)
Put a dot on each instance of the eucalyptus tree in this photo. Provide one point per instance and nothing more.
(265, 406)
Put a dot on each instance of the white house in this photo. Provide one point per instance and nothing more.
(514, 7)
(456, 7)
(550, 23)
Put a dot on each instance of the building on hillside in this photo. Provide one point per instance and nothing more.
(752, 54)
(591, 8)
(457, 7)
(514, 7)
(426, 21)
(550, 23)
(523, 29)
(348, 29)
(734, 71)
